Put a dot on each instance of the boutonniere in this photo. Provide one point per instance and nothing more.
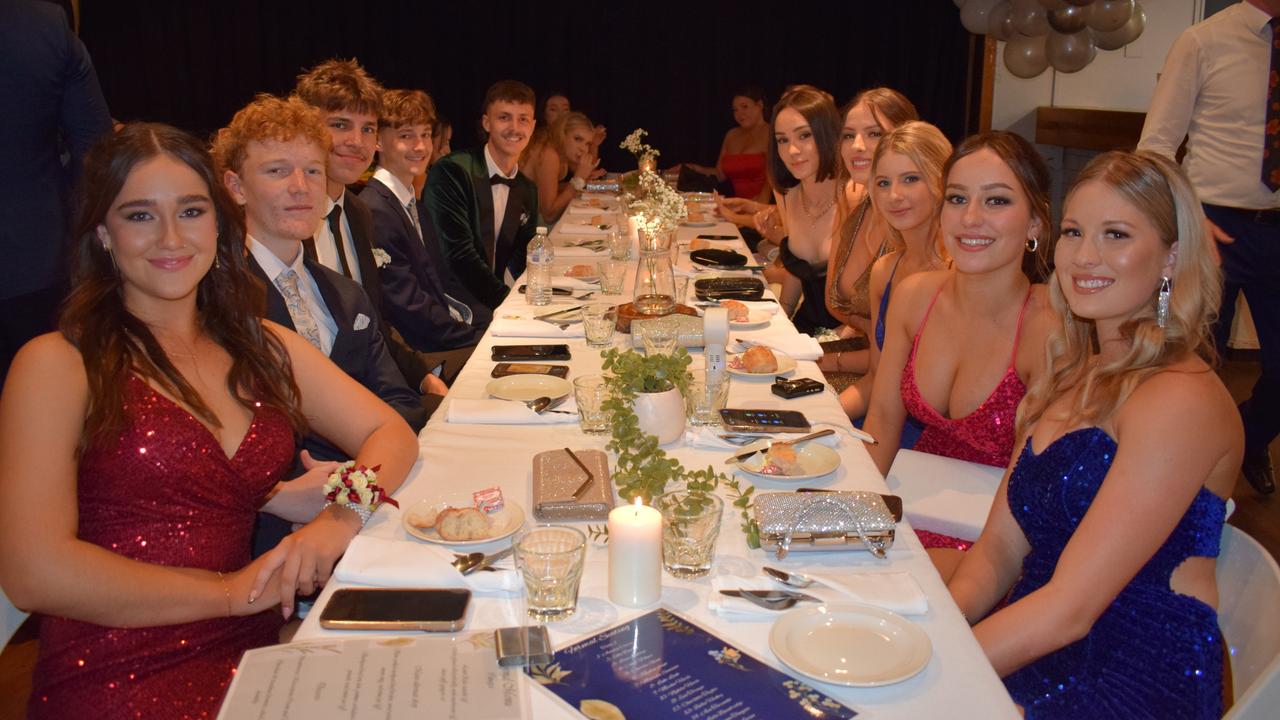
(524, 219)
(381, 258)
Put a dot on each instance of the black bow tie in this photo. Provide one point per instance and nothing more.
(497, 179)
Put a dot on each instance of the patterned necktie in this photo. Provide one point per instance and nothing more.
(287, 283)
(335, 227)
(1271, 133)
(412, 209)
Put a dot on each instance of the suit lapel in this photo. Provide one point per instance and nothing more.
(386, 194)
(361, 224)
(342, 341)
(484, 201)
(276, 310)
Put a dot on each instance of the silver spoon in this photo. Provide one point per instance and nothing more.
(538, 404)
(791, 579)
(771, 599)
(463, 563)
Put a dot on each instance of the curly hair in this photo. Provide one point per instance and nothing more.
(1157, 187)
(406, 107)
(336, 85)
(230, 301)
(267, 118)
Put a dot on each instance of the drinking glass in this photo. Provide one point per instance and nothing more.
(619, 244)
(704, 402)
(682, 287)
(550, 559)
(659, 336)
(613, 275)
(690, 526)
(598, 321)
(590, 392)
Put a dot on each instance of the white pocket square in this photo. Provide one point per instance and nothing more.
(362, 322)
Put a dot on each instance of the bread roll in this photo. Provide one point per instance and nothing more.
(462, 524)
(737, 311)
(760, 360)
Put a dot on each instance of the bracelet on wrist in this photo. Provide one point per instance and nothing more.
(226, 591)
(356, 488)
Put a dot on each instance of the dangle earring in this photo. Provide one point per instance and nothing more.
(1162, 301)
(1033, 244)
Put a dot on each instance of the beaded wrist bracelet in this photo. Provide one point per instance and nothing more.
(356, 488)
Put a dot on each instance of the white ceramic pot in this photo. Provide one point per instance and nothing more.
(661, 414)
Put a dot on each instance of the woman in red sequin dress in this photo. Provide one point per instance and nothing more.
(962, 344)
(149, 433)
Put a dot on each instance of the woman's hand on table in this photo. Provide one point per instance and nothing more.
(304, 559)
(301, 499)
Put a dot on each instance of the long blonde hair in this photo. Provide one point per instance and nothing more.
(928, 148)
(1158, 189)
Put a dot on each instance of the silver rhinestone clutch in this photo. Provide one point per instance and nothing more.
(824, 521)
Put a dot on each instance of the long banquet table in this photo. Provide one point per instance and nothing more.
(958, 681)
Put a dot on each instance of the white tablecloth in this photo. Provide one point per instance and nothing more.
(455, 457)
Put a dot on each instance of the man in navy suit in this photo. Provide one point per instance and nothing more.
(280, 184)
(52, 102)
(432, 311)
(480, 208)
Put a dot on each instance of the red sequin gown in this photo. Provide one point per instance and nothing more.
(164, 493)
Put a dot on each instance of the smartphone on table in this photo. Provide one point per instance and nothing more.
(530, 353)
(507, 368)
(764, 421)
(432, 610)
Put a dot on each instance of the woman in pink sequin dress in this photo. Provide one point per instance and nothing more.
(962, 344)
(149, 432)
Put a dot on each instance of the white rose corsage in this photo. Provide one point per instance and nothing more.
(381, 258)
(356, 488)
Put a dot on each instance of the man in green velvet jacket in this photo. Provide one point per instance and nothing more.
(479, 207)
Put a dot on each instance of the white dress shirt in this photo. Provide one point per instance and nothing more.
(327, 247)
(310, 292)
(500, 191)
(1214, 89)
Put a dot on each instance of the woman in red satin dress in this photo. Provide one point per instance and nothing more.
(149, 431)
(742, 154)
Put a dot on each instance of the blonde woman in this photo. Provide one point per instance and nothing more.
(561, 164)
(1107, 526)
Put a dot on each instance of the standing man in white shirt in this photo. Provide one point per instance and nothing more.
(1219, 89)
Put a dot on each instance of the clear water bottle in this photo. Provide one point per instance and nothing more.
(537, 279)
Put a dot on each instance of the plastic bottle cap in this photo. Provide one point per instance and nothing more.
(542, 230)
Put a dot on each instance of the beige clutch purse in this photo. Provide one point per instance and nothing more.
(556, 477)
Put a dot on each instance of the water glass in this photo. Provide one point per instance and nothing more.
(682, 287)
(590, 392)
(619, 244)
(690, 526)
(613, 275)
(598, 322)
(550, 558)
(704, 402)
(659, 336)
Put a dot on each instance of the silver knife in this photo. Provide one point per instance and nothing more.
(771, 595)
(558, 312)
(489, 560)
(804, 438)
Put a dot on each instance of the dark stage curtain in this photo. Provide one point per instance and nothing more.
(670, 68)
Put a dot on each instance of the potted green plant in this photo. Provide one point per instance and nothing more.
(651, 388)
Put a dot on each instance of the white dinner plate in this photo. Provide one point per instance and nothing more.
(850, 644)
(816, 460)
(692, 224)
(594, 278)
(755, 319)
(503, 523)
(785, 365)
(528, 387)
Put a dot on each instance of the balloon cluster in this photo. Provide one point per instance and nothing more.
(1066, 34)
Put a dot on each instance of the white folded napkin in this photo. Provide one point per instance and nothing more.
(409, 563)
(570, 283)
(491, 411)
(894, 591)
(579, 225)
(799, 347)
(761, 306)
(529, 328)
(586, 211)
(708, 438)
(568, 251)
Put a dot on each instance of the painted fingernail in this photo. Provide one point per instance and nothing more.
(253, 596)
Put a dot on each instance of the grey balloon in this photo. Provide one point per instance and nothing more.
(1029, 18)
(1070, 19)
(1110, 15)
(1070, 52)
(1000, 21)
(1126, 34)
(974, 15)
(1024, 55)
(1051, 5)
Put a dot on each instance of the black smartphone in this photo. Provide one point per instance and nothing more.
(777, 421)
(794, 388)
(433, 610)
(519, 353)
(717, 237)
(506, 368)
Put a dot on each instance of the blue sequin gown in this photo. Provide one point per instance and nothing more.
(1153, 653)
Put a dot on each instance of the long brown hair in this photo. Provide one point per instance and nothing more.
(229, 300)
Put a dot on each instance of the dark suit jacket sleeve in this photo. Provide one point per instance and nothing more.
(384, 378)
(83, 111)
(449, 204)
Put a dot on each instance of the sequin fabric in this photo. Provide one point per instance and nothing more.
(1153, 653)
(985, 435)
(164, 493)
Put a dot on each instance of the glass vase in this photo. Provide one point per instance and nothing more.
(655, 287)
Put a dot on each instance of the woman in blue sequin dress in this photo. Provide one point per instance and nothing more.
(1105, 532)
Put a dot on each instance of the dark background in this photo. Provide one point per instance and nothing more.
(670, 68)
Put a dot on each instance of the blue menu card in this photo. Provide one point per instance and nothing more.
(660, 665)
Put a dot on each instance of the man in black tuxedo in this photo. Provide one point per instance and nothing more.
(53, 103)
(280, 184)
(422, 298)
(349, 100)
(479, 207)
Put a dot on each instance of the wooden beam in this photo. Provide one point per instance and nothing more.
(1088, 129)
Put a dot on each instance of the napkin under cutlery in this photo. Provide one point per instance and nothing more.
(530, 328)
(579, 226)
(409, 563)
(491, 411)
(708, 438)
(894, 591)
(799, 347)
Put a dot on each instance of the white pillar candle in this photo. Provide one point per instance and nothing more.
(635, 555)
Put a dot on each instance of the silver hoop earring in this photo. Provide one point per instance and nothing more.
(1033, 244)
(1162, 301)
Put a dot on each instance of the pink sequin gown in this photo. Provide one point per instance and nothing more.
(985, 435)
(164, 493)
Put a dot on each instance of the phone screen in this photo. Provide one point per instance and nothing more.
(765, 420)
(378, 609)
(530, 352)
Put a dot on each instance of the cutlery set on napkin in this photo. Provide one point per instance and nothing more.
(763, 596)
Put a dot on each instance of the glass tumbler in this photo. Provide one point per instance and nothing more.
(550, 558)
(598, 323)
(690, 527)
(704, 402)
(590, 392)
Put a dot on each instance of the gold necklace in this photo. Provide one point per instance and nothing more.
(823, 210)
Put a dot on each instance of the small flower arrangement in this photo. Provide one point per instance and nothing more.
(356, 488)
(635, 144)
(381, 258)
(654, 205)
